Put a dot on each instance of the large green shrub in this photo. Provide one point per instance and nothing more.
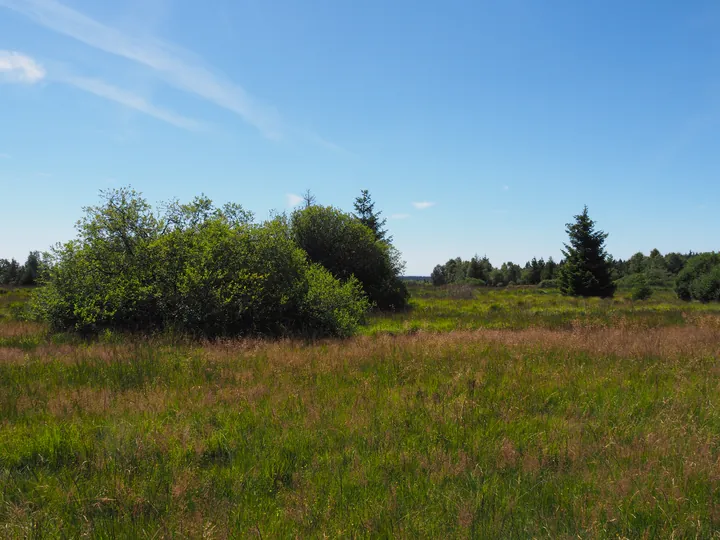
(696, 280)
(346, 247)
(195, 269)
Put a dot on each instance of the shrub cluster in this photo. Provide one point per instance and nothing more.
(195, 269)
(700, 278)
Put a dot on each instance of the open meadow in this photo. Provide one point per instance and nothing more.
(478, 413)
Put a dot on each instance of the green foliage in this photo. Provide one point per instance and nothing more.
(548, 284)
(347, 248)
(706, 288)
(674, 263)
(586, 271)
(196, 269)
(459, 271)
(365, 212)
(641, 290)
(438, 276)
(13, 273)
(329, 308)
(696, 280)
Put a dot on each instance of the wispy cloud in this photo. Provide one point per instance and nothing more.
(399, 216)
(19, 68)
(423, 205)
(112, 93)
(293, 200)
(175, 66)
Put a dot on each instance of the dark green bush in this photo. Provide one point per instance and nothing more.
(706, 288)
(691, 283)
(346, 247)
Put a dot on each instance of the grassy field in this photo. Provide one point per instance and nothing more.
(495, 414)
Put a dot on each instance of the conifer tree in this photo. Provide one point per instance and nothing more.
(365, 212)
(586, 271)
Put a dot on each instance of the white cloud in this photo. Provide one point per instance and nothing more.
(175, 66)
(293, 200)
(423, 205)
(112, 93)
(399, 216)
(19, 68)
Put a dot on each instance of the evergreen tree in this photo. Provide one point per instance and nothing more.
(31, 269)
(586, 271)
(308, 198)
(548, 271)
(365, 212)
(477, 270)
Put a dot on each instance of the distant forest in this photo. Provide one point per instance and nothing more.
(659, 270)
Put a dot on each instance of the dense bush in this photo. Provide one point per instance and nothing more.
(547, 284)
(698, 279)
(706, 288)
(346, 247)
(641, 290)
(195, 269)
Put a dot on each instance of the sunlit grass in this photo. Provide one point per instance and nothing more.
(591, 419)
(442, 309)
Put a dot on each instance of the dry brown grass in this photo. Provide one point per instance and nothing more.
(15, 329)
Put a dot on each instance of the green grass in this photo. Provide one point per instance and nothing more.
(442, 309)
(597, 419)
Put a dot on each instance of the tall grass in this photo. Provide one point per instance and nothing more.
(592, 430)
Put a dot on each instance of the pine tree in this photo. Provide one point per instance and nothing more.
(365, 212)
(586, 271)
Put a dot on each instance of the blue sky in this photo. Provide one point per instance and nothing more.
(478, 126)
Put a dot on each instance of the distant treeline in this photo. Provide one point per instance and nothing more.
(592, 272)
(659, 270)
(14, 273)
(694, 276)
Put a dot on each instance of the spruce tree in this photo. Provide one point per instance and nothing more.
(586, 271)
(365, 212)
